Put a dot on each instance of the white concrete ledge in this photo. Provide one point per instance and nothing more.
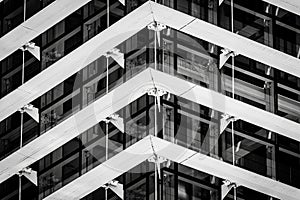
(221, 37)
(127, 93)
(105, 172)
(140, 151)
(76, 60)
(76, 124)
(225, 104)
(37, 24)
(131, 24)
(289, 5)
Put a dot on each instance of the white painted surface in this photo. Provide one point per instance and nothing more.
(127, 93)
(141, 150)
(76, 60)
(132, 23)
(75, 125)
(227, 171)
(289, 5)
(221, 37)
(37, 24)
(228, 105)
(105, 172)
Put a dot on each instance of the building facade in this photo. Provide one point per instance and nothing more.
(136, 99)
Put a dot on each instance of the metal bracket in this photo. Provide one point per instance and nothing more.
(224, 56)
(32, 48)
(157, 93)
(112, 183)
(26, 107)
(229, 52)
(117, 55)
(267, 85)
(157, 160)
(25, 170)
(157, 26)
(226, 187)
(229, 117)
(116, 120)
(113, 116)
(30, 174)
(116, 187)
(29, 45)
(220, 2)
(229, 183)
(225, 120)
(30, 110)
(113, 51)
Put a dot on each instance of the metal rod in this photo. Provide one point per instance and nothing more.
(106, 127)
(107, 8)
(20, 187)
(21, 144)
(24, 9)
(155, 53)
(231, 7)
(21, 129)
(232, 141)
(23, 66)
(233, 145)
(155, 182)
(107, 60)
(23, 79)
(107, 65)
(22, 117)
(155, 133)
(163, 57)
(106, 152)
(106, 194)
(155, 116)
(233, 75)
(232, 30)
(232, 87)
(233, 94)
(106, 142)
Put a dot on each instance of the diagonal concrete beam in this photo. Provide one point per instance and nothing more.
(37, 24)
(127, 93)
(289, 5)
(76, 124)
(131, 24)
(221, 37)
(143, 149)
(76, 60)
